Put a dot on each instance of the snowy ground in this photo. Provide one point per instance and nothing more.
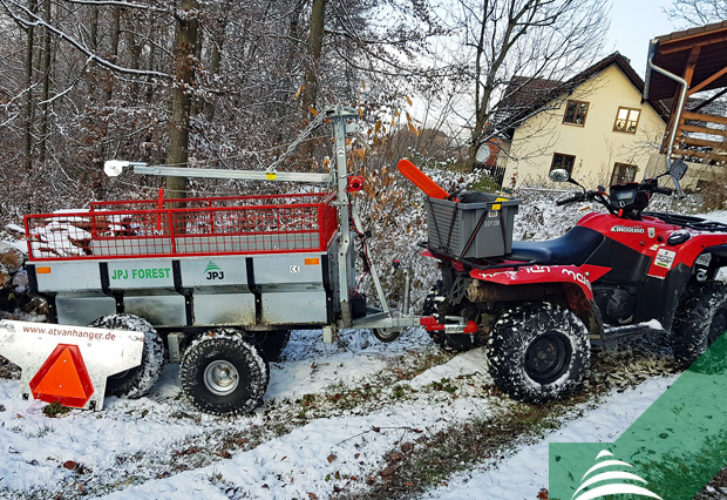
(335, 419)
(332, 417)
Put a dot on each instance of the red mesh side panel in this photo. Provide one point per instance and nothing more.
(186, 227)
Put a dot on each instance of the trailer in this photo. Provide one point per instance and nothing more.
(217, 283)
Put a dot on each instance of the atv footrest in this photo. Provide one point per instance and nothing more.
(614, 333)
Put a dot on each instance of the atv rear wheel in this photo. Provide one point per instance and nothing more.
(700, 319)
(136, 382)
(223, 374)
(538, 352)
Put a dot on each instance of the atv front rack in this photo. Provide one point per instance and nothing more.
(689, 221)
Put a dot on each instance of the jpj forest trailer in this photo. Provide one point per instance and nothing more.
(219, 282)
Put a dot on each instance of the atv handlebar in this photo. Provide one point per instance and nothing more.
(578, 197)
(637, 196)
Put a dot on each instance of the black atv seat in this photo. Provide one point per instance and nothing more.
(573, 247)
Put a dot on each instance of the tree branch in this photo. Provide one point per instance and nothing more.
(34, 21)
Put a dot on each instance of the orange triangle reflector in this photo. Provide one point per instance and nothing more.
(63, 378)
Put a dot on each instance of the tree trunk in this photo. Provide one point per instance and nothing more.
(113, 50)
(45, 69)
(216, 46)
(29, 51)
(185, 39)
(196, 107)
(313, 55)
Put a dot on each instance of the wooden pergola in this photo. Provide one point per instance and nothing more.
(699, 56)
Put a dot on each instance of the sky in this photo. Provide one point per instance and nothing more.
(633, 24)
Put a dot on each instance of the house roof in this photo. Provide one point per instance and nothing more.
(671, 52)
(524, 96)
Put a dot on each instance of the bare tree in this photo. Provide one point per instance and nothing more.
(543, 39)
(697, 12)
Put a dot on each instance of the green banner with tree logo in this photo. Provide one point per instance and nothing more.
(671, 452)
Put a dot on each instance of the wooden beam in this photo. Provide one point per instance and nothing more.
(703, 117)
(704, 130)
(693, 141)
(709, 80)
(680, 44)
(691, 63)
(701, 154)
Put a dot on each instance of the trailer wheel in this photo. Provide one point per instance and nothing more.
(538, 352)
(272, 344)
(136, 382)
(386, 334)
(223, 374)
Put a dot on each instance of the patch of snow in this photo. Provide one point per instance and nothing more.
(466, 363)
(297, 463)
(524, 472)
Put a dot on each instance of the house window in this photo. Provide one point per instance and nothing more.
(627, 119)
(623, 172)
(575, 112)
(563, 161)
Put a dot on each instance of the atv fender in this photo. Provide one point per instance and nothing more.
(567, 275)
(566, 284)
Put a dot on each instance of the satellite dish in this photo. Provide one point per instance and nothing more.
(487, 153)
(483, 153)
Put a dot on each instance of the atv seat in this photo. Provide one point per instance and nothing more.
(574, 247)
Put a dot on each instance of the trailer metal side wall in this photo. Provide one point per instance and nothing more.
(268, 289)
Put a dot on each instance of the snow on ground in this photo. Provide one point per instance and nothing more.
(525, 471)
(130, 435)
(466, 364)
(302, 461)
(355, 358)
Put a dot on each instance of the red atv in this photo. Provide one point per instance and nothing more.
(540, 306)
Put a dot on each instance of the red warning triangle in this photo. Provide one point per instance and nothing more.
(63, 378)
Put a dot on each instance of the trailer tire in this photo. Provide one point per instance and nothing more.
(386, 334)
(538, 352)
(221, 373)
(272, 344)
(701, 318)
(136, 382)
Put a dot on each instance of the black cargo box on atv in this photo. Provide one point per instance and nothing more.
(477, 226)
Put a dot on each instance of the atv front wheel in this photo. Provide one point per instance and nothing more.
(700, 319)
(538, 352)
(136, 382)
(223, 374)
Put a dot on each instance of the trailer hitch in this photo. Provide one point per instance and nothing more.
(454, 325)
